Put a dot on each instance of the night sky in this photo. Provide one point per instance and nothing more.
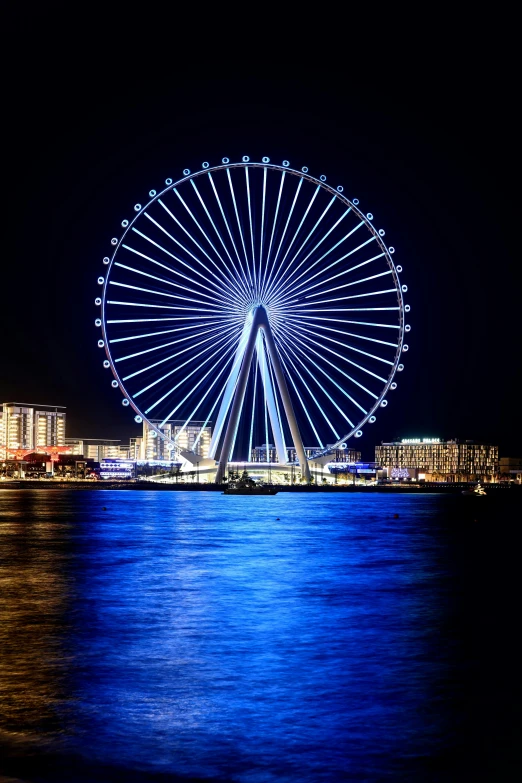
(428, 149)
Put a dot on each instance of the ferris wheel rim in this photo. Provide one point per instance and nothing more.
(304, 174)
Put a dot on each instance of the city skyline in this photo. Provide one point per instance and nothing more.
(421, 183)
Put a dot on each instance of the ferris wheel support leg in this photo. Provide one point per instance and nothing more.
(237, 405)
(287, 402)
(260, 321)
(279, 439)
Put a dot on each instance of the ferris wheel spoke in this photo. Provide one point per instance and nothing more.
(298, 230)
(344, 358)
(221, 278)
(152, 320)
(350, 347)
(168, 282)
(345, 298)
(209, 415)
(175, 271)
(348, 285)
(334, 263)
(343, 273)
(255, 368)
(312, 251)
(329, 377)
(176, 342)
(194, 271)
(200, 403)
(180, 383)
(178, 406)
(274, 271)
(179, 353)
(232, 192)
(344, 321)
(221, 271)
(163, 332)
(287, 271)
(244, 291)
(278, 412)
(305, 409)
(163, 293)
(350, 334)
(262, 226)
(211, 314)
(244, 279)
(290, 299)
(274, 223)
(348, 310)
(308, 389)
(251, 229)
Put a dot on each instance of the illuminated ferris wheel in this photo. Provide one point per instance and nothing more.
(257, 299)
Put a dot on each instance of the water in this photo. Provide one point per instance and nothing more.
(182, 635)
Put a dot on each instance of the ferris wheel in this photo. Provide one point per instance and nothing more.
(258, 300)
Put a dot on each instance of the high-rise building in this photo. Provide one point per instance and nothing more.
(192, 437)
(440, 460)
(28, 426)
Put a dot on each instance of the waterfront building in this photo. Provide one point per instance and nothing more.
(434, 459)
(262, 454)
(96, 449)
(193, 437)
(510, 468)
(30, 425)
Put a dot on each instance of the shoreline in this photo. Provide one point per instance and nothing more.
(194, 487)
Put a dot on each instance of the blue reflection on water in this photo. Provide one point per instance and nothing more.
(205, 636)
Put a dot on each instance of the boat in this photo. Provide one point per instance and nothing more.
(477, 491)
(244, 489)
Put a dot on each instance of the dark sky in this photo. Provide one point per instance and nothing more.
(428, 147)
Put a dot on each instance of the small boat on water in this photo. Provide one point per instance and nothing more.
(249, 489)
(477, 491)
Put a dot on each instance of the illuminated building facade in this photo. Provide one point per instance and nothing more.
(96, 449)
(260, 454)
(28, 426)
(434, 459)
(194, 437)
(510, 469)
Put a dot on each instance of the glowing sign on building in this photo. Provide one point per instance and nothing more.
(420, 440)
(117, 468)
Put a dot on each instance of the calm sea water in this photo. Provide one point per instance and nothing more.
(304, 637)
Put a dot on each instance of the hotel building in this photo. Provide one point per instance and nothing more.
(434, 459)
(28, 426)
